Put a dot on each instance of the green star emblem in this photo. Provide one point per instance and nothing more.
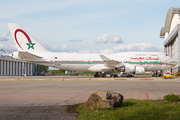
(30, 45)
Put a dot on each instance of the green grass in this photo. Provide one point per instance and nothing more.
(57, 71)
(134, 110)
(62, 72)
(87, 73)
(171, 97)
(146, 74)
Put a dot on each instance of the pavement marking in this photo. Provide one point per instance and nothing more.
(147, 96)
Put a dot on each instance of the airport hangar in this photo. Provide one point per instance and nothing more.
(171, 34)
(11, 66)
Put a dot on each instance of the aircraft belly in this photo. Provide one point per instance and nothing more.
(155, 67)
(75, 67)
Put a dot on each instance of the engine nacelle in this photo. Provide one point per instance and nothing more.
(131, 69)
(139, 70)
(127, 68)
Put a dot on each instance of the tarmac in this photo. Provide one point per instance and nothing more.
(55, 93)
(78, 78)
(67, 90)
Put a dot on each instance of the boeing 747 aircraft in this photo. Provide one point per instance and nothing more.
(31, 50)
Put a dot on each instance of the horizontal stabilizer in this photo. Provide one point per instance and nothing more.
(109, 61)
(27, 55)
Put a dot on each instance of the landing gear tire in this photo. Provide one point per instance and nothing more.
(100, 75)
(103, 75)
(95, 75)
(113, 75)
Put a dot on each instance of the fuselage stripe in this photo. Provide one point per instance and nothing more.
(80, 62)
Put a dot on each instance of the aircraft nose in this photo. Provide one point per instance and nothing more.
(174, 62)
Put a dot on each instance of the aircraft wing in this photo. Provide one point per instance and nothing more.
(109, 62)
(27, 55)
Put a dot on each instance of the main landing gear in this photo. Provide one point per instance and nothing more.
(113, 75)
(100, 74)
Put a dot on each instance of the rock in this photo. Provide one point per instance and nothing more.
(104, 99)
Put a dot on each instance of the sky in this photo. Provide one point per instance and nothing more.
(88, 26)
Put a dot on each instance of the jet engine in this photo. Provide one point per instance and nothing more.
(131, 69)
(126, 68)
(139, 70)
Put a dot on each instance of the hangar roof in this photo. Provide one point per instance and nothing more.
(168, 21)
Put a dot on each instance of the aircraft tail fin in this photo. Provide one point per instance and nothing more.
(23, 40)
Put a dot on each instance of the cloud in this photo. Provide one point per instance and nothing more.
(58, 47)
(109, 38)
(141, 47)
(9, 47)
(102, 39)
(3, 37)
(106, 51)
(88, 51)
(138, 47)
(75, 40)
(85, 51)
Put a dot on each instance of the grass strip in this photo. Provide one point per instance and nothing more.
(134, 110)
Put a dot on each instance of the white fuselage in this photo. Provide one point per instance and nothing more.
(151, 61)
(30, 49)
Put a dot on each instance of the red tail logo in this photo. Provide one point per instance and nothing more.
(28, 38)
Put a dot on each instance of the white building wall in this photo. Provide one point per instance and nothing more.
(171, 34)
(174, 22)
(175, 53)
(173, 50)
(178, 48)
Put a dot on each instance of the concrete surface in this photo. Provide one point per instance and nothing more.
(73, 78)
(36, 113)
(73, 92)
(48, 99)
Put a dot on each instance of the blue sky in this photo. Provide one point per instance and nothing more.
(93, 26)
